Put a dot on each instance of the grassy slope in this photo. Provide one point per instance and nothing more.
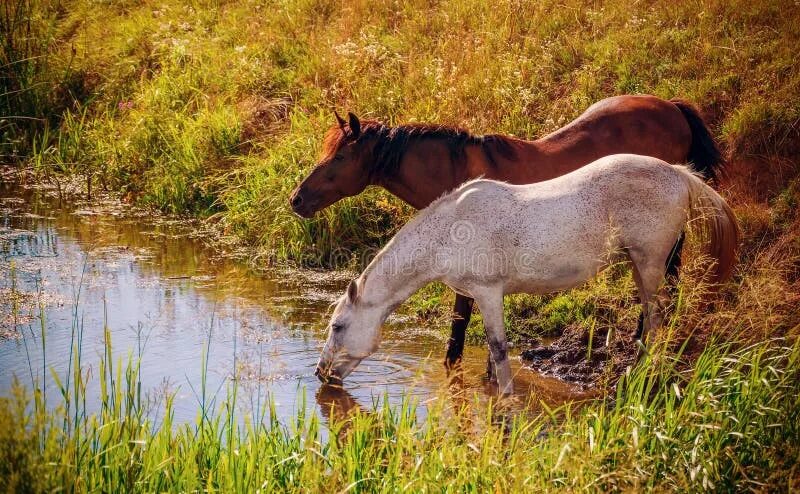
(222, 106)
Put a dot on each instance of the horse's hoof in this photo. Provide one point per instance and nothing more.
(452, 365)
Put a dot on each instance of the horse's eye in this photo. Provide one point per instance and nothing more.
(337, 327)
(338, 157)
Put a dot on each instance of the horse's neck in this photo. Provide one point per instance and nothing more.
(395, 274)
(531, 162)
(426, 172)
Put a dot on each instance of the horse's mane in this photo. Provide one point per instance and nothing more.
(392, 143)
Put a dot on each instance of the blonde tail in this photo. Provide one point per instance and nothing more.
(712, 218)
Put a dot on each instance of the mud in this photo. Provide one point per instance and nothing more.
(568, 356)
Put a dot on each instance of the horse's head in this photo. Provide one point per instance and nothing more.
(343, 170)
(353, 335)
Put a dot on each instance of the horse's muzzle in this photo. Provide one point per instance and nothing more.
(327, 378)
(301, 205)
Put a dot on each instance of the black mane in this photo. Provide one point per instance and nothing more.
(391, 144)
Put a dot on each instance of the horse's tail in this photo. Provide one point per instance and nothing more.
(704, 154)
(713, 219)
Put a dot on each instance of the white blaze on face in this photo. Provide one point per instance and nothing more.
(352, 336)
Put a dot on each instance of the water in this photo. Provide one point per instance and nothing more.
(167, 296)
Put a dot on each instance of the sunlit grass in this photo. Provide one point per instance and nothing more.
(220, 107)
(727, 422)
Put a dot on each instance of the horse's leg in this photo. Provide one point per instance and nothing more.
(674, 265)
(491, 373)
(462, 311)
(640, 326)
(491, 305)
(649, 278)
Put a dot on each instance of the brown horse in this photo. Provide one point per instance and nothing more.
(418, 163)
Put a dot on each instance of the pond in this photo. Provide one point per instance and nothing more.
(169, 298)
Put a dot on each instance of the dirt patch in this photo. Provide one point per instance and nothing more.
(568, 357)
(758, 178)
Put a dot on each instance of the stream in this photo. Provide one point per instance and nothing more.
(168, 298)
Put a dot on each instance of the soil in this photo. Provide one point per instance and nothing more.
(568, 356)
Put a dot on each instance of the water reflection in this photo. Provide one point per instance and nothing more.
(167, 296)
(336, 403)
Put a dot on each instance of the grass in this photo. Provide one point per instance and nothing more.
(728, 422)
(219, 108)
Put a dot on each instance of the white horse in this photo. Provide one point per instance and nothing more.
(487, 238)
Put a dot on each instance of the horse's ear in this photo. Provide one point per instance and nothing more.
(352, 291)
(339, 119)
(355, 125)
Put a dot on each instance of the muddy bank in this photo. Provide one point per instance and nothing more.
(570, 358)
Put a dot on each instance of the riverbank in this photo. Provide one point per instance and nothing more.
(728, 424)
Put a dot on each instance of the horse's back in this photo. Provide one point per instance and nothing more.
(624, 180)
(629, 123)
(635, 196)
(552, 235)
(612, 174)
(623, 172)
(627, 178)
(644, 197)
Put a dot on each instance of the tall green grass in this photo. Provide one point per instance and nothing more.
(727, 423)
(39, 84)
(219, 107)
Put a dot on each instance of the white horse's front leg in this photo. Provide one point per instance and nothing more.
(491, 306)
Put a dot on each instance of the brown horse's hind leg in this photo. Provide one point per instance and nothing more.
(462, 311)
(640, 326)
(674, 265)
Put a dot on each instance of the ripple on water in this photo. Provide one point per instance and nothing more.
(163, 292)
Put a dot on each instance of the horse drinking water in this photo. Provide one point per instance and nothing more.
(419, 163)
(487, 238)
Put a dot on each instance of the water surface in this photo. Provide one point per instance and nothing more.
(166, 296)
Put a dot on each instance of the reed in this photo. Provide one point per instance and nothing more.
(727, 422)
